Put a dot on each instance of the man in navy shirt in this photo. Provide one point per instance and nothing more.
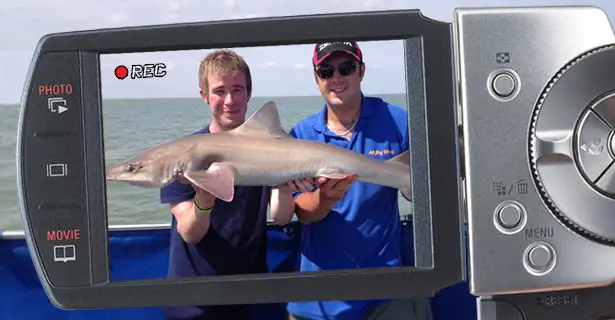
(210, 236)
(348, 224)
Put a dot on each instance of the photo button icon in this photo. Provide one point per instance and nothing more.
(57, 105)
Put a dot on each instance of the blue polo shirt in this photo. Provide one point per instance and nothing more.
(363, 230)
(234, 244)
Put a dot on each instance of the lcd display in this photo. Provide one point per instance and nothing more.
(150, 99)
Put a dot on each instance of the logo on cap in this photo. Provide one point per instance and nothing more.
(324, 50)
(324, 45)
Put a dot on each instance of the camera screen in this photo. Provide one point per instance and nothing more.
(156, 104)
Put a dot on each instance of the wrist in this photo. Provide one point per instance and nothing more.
(203, 205)
(283, 190)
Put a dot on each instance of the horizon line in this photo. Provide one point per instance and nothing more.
(184, 97)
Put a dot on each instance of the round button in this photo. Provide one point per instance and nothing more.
(539, 258)
(504, 84)
(509, 217)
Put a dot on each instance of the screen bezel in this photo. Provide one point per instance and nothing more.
(438, 239)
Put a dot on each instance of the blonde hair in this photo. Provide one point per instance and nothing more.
(223, 62)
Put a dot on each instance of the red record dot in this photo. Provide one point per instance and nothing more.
(121, 72)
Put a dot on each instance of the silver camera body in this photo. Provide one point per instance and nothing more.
(536, 88)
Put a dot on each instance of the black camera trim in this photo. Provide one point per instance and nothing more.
(74, 56)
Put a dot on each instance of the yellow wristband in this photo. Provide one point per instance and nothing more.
(196, 205)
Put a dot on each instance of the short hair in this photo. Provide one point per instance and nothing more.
(223, 62)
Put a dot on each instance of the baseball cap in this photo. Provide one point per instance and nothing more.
(324, 50)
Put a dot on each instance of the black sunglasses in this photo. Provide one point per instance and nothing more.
(326, 71)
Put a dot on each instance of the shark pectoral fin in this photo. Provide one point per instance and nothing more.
(219, 180)
(332, 174)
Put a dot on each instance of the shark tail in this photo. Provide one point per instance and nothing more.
(403, 159)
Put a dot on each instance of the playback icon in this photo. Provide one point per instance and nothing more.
(57, 105)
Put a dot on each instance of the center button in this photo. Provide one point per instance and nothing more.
(593, 146)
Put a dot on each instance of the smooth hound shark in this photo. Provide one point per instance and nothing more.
(257, 153)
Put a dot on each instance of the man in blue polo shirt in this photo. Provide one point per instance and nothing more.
(349, 224)
(213, 237)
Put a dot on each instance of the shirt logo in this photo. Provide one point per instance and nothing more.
(381, 152)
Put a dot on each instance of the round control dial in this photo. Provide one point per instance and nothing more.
(572, 146)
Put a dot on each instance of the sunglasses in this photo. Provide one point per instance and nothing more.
(326, 71)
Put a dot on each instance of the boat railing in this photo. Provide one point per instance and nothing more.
(20, 234)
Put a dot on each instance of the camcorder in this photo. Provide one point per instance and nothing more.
(511, 113)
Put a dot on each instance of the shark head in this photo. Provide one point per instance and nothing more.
(142, 172)
(155, 167)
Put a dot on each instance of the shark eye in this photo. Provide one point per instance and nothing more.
(132, 168)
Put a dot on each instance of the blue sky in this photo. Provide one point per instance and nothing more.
(277, 71)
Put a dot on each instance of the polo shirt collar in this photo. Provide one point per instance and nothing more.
(321, 124)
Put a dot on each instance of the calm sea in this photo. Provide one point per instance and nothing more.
(131, 126)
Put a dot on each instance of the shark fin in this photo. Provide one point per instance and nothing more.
(403, 159)
(219, 180)
(265, 122)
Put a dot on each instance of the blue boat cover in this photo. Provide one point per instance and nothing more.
(144, 255)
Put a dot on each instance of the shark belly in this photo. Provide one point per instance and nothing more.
(272, 173)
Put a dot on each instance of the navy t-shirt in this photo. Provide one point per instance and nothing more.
(234, 244)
